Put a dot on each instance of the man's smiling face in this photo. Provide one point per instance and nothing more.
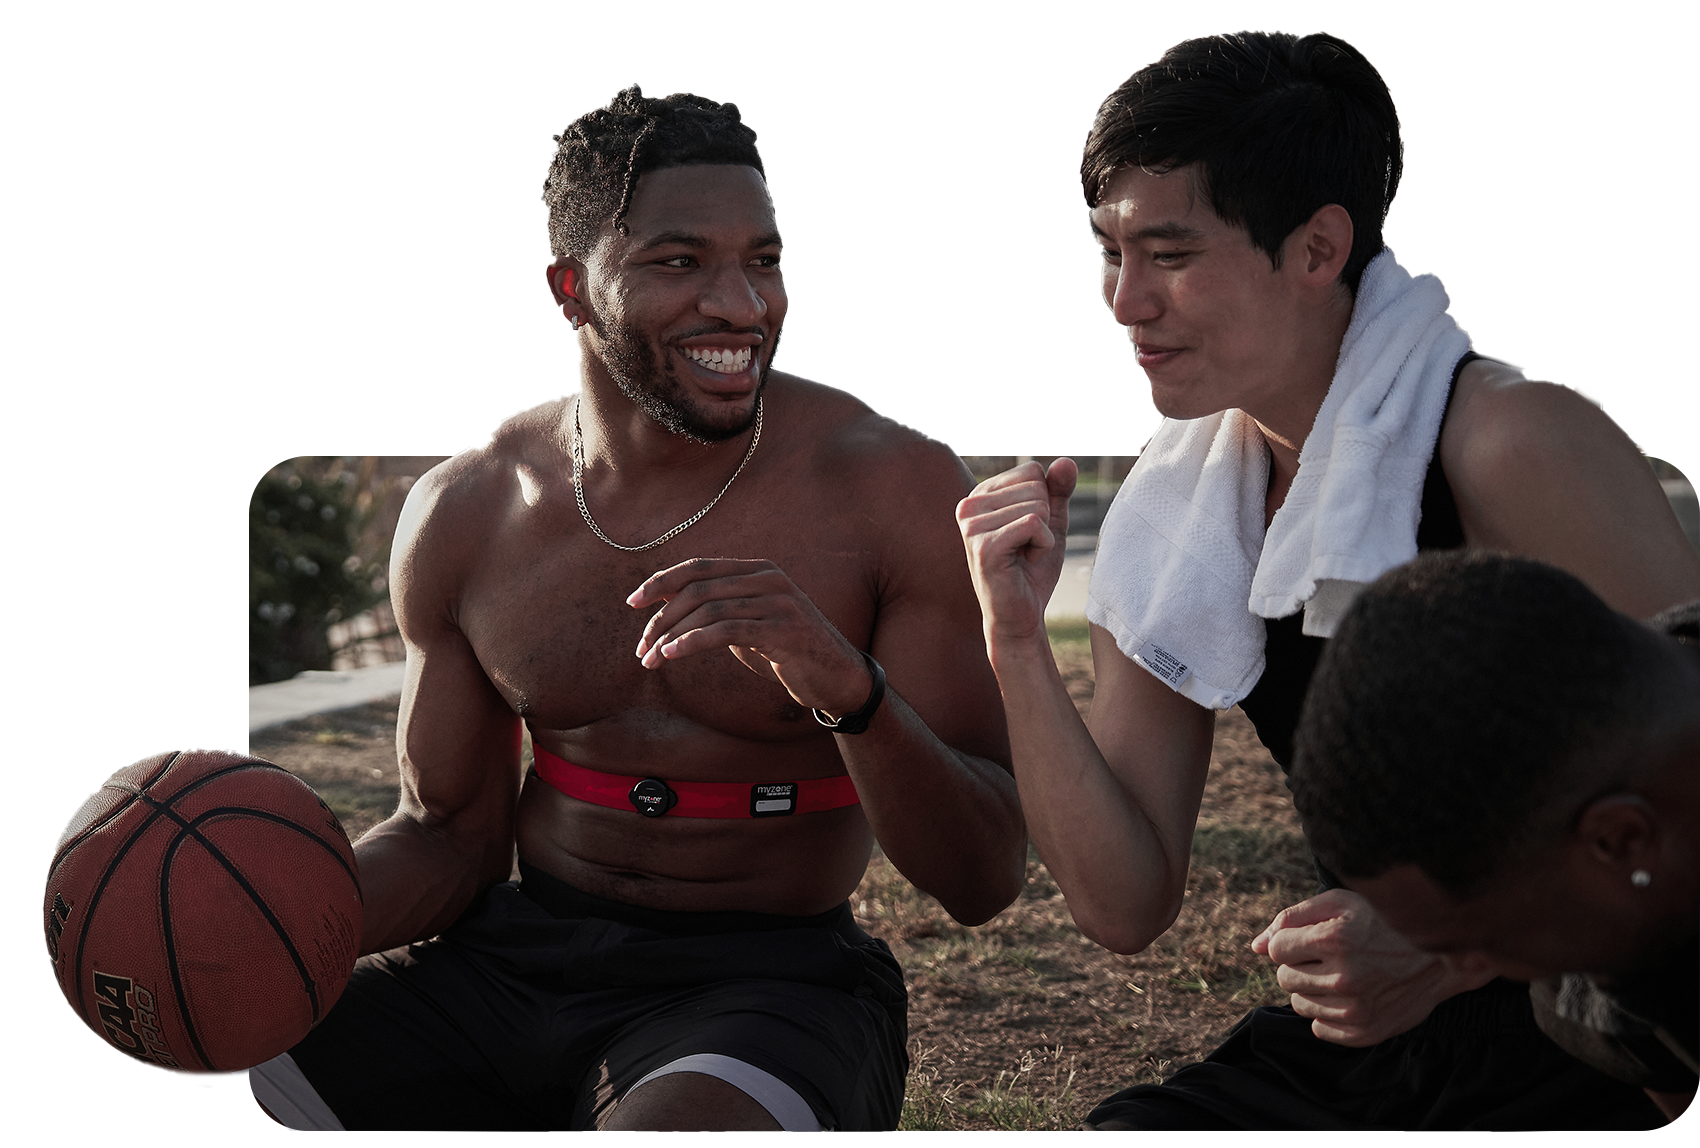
(1211, 320)
(686, 307)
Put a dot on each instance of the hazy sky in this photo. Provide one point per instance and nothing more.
(371, 160)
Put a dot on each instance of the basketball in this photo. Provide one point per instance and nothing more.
(203, 910)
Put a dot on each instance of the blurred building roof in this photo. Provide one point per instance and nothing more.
(208, 274)
(475, 283)
(835, 254)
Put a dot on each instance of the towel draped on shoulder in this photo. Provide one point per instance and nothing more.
(1185, 573)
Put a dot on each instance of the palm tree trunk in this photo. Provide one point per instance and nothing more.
(157, 272)
(235, 274)
(1466, 312)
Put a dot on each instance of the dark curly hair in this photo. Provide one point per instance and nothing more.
(1468, 705)
(1279, 126)
(602, 153)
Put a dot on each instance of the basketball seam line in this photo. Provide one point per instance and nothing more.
(162, 808)
(95, 895)
(188, 829)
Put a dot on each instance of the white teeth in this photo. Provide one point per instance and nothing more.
(723, 361)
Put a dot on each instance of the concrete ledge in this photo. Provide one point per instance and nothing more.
(320, 691)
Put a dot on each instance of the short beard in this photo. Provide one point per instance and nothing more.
(656, 391)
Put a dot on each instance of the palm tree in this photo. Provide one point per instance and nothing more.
(1525, 94)
(235, 274)
(810, 167)
(157, 279)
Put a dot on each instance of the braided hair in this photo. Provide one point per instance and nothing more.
(602, 153)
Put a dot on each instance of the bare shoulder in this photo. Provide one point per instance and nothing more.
(452, 511)
(877, 457)
(1539, 470)
(1499, 418)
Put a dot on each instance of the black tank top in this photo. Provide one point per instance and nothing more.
(1290, 655)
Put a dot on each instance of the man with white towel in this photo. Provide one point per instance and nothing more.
(1325, 421)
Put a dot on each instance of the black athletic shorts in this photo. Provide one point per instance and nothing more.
(1477, 1062)
(542, 1005)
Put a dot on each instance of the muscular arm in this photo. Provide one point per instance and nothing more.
(931, 767)
(458, 744)
(1112, 806)
(1539, 471)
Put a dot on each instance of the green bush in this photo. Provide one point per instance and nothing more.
(174, 558)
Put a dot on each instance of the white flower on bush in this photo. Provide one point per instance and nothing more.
(277, 613)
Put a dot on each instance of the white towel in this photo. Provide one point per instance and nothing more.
(1185, 575)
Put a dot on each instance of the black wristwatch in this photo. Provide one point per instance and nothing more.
(858, 721)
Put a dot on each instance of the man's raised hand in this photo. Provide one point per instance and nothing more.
(752, 607)
(1014, 526)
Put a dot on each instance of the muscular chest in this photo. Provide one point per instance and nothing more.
(548, 620)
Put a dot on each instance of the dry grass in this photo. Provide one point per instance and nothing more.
(1021, 1022)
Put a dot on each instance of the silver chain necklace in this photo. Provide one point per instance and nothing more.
(578, 486)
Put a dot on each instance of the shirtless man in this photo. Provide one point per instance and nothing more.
(678, 953)
(1237, 188)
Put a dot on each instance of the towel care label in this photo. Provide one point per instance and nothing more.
(1162, 663)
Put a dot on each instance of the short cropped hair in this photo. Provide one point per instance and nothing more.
(1468, 706)
(602, 153)
(1279, 126)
